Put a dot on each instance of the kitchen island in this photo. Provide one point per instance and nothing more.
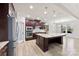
(43, 40)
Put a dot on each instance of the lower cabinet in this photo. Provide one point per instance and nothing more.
(3, 51)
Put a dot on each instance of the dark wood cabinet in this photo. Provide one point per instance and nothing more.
(43, 42)
(4, 21)
(4, 48)
(3, 51)
(4, 8)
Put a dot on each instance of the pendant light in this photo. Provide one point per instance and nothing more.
(45, 12)
(54, 13)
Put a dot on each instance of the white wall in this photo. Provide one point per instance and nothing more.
(74, 24)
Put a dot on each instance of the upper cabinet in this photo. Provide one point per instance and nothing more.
(4, 21)
(3, 9)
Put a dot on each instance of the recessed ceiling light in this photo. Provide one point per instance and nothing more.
(45, 12)
(31, 7)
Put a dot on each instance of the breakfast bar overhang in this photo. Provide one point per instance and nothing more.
(43, 40)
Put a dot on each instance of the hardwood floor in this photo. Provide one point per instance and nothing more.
(29, 48)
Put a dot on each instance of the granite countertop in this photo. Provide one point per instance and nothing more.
(49, 35)
(37, 31)
(2, 44)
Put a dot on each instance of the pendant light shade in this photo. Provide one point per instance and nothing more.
(45, 12)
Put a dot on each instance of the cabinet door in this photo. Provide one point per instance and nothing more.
(37, 40)
(3, 51)
(41, 42)
(3, 21)
(22, 28)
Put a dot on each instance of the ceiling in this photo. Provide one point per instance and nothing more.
(72, 8)
(38, 9)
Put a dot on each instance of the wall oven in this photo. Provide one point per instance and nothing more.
(29, 30)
